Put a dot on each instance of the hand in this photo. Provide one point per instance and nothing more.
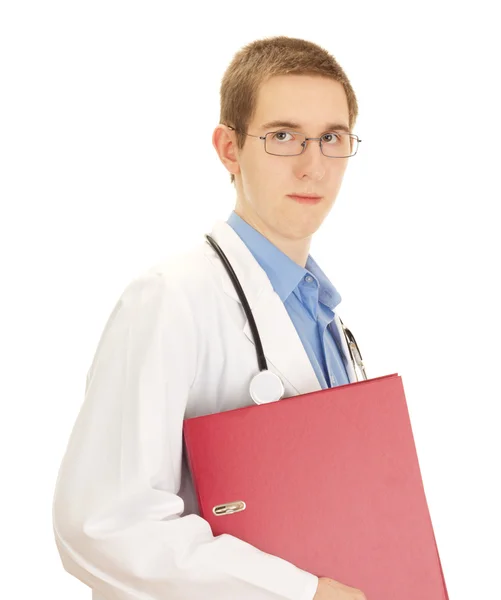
(328, 589)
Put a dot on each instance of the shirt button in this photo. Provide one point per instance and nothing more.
(308, 278)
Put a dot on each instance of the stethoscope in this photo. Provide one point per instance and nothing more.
(267, 386)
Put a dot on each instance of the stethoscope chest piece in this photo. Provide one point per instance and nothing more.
(266, 387)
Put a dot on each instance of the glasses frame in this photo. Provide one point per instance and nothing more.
(303, 144)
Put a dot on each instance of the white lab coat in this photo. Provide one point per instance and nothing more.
(176, 345)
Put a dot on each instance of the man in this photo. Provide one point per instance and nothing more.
(178, 345)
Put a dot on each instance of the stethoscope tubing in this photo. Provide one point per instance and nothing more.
(355, 354)
(261, 359)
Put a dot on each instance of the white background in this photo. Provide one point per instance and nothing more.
(101, 104)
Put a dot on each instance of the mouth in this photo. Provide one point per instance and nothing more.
(305, 198)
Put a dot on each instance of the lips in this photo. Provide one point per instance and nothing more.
(306, 199)
(312, 196)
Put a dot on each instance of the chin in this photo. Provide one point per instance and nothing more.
(301, 231)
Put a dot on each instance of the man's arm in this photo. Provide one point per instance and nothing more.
(116, 509)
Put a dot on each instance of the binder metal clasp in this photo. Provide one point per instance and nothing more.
(229, 508)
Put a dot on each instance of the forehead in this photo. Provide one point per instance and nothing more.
(309, 101)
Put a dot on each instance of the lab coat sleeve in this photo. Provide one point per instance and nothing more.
(117, 515)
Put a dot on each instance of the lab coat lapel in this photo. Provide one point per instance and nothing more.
(345, 352)
(282, 345)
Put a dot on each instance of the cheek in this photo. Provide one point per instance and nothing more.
(270, 177)
(280, 175)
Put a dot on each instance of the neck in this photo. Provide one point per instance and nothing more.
(296, 250)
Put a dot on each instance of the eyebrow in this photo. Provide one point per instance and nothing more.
(296, 126)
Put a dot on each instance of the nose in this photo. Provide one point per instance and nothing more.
(311, 162)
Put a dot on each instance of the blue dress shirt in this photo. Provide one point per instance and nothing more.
(309, 298)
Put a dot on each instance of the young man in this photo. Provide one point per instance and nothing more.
(178, 345)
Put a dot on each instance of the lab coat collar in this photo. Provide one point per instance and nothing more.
(282, 345)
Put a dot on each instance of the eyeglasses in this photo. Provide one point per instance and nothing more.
(333, 144)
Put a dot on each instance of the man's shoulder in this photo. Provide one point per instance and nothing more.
(183, 264)
(186, 273)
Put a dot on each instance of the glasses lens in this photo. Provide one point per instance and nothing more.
(290, 143)
(284, 143)
(339, 144)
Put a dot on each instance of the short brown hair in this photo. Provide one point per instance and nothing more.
(256, 62)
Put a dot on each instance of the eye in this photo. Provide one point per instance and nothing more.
(276, 136)
(331, 137)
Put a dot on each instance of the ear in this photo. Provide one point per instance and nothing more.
(224, 141)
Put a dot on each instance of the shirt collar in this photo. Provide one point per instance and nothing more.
(327, 293)
(283, 273)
